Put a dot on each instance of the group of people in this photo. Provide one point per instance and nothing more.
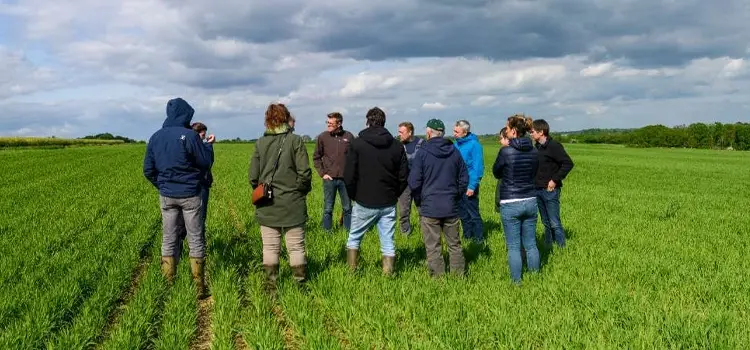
(378, 177)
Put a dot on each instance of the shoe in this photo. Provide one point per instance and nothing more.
(351, 258)
(299, 273)
(388, 265)
(168, 268)
(197, 267)
(272, 274)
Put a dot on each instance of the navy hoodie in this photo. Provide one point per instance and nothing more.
(376, 168)
(516, 165)
(176, 160)
(438, 179)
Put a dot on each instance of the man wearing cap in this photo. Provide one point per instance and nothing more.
(438, 179)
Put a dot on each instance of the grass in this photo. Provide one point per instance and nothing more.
(655, 258)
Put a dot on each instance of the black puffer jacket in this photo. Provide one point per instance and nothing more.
(516, 166)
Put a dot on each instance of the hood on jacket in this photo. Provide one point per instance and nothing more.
(467, 138)
(281, 129)
(439, 147)
(179, 113)
(377, 136)
(522, 144)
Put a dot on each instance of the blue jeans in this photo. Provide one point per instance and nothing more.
(471, 219)
(330, 187)
(549, 210)
(519, 226)
(183, 233)
(364, 218)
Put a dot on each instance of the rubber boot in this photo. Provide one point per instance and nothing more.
(168, 268)
(388, 265)
(272, 275)
(299, 273)
(197, 267)
(351, 258)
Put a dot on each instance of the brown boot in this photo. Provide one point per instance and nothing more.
(351, 258)
(168, 268)
(388, 265)
(197, 267)
(299, 273)
(272, 274)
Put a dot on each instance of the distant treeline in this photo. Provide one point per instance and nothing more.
(698, 135)
(108, 136)
(52, 142)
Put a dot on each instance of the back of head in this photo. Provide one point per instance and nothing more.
(179, 113)
(277, 115)
(376, 117)
(520, 123)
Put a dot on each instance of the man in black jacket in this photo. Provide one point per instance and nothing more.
(375, 174)
(554, 166)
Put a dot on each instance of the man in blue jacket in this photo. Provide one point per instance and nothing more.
(473, 155)
(176, 163)
(411, 146)
(438, 179)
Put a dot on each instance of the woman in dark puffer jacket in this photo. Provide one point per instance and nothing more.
(515, 167)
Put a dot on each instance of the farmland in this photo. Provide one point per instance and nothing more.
(656, 258)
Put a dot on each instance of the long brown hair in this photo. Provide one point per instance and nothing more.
(277, 115)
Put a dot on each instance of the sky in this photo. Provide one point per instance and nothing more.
(71, 68)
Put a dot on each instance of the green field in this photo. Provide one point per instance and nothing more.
(656, 258)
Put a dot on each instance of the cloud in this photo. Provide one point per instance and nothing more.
(433, 106)
(580, 63)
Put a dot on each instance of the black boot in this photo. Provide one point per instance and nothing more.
(299, 273)
(272, 275)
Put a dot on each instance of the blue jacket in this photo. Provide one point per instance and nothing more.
(438, 179)
(177, 160)
(411, 149)
(516, 165)
(473, 155)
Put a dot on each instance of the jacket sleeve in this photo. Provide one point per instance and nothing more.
(351, 171)
(302, 164)
(463, 176)
(477, 166)
(403, 172)
(416, 177)
(497, 168)
(202, 153)
(149, 166)
(318, 157)
(253, 173)
(566, 164)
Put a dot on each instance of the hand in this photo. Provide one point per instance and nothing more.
(551, 186)
(469, 193)
(211, 138)
(327, 177)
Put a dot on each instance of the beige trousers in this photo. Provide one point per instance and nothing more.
(295, 244)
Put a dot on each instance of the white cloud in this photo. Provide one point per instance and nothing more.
(597, 70)
(433, 106)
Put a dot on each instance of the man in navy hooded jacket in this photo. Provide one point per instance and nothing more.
(438, 180)
(176, 162)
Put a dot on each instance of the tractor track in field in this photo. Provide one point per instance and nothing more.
(135, 281)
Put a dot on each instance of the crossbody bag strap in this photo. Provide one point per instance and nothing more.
(278, 157)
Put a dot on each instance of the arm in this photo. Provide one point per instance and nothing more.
(202, 153)
(416, 177)
(463, 176)
(477, 171)
(351, 172)
(253, 173)
(318, 157)
(149, 166)
(403, 171)
(566, 164)
(497, 168)
(302, 164)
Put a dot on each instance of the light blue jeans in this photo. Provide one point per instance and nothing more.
(364, 218)
(519, 226)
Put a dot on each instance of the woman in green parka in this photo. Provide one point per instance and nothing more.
(286, 212)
